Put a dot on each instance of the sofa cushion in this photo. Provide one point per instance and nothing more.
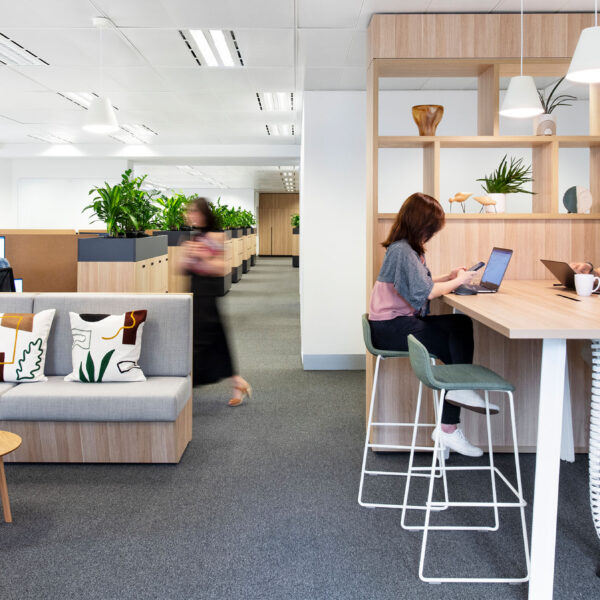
(19, 303)
(107, 347)
(23, 340)
(167, 348)
(156, 399)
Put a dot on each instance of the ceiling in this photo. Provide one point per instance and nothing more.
(153, 79)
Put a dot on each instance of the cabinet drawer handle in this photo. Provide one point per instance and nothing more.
(143, 266)
(151, 264)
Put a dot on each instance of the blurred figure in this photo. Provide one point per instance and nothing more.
(585, 267)
(203, 260)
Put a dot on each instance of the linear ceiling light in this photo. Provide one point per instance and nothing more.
(83, 99)
(49, 138)
(275, 101)
(585, 64)
(12, 53)
(222, 47)
(521, 100)
(209, 57)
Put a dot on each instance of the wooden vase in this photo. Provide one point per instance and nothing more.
(427, 117)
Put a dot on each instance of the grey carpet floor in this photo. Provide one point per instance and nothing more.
(263, 503)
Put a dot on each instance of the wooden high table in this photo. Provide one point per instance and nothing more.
(534, 310)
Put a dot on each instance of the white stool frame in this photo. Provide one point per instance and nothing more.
(494, 504)
(411, 469)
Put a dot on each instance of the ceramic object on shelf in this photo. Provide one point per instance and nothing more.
(459, 197)
(544, 125)
(486, 202)
(578, 199)
(427, 117)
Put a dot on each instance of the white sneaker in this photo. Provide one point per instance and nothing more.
(471, 400)
(457, 442)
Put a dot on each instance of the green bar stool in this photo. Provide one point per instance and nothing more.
(412, 470)
(444, 378)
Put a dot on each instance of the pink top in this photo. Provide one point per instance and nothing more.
(387, 303)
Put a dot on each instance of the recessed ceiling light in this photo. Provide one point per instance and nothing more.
(209, 57)
(275, 101)
(222, 47)
(12, 53)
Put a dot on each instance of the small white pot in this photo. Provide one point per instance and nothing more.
(500, 205)
(544, 125)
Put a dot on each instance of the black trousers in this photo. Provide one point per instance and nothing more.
(449, 337)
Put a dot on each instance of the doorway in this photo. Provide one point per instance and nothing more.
(274, 228)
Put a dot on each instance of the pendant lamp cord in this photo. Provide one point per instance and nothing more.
(522, 37)
(595, 13)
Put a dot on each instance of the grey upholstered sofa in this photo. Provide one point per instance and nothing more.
(147, 421)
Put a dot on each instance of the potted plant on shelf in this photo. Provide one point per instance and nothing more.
(295, 223)
(170, 218)
(545, 124)
(506, 179)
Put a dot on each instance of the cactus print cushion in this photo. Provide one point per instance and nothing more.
(107, 347)
(23, 342)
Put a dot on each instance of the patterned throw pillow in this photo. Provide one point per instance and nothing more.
(23, 342)
(107, 347)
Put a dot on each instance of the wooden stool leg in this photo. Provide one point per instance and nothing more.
(4, 494)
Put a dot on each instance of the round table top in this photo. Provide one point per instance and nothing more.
(8, 442)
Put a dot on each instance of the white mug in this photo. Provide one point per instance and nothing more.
(584, 284)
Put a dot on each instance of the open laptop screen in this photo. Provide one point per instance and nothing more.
(496, 267)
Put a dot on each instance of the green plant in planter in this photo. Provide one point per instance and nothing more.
(172, 211)
(108, 207)
(508, 178)
(137, 203)
(550, 102)
(247, 218)
(295, 221)
(221, 214)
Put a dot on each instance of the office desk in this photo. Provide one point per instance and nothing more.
(532, 310)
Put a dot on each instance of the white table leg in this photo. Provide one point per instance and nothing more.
(567, 444)
(547, 469)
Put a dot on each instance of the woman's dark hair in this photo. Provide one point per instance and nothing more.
(418, 220)
(201, 205)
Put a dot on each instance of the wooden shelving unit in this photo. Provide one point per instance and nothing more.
(486, 47)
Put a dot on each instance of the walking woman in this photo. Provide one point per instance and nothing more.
(203, 260)
(400, 305)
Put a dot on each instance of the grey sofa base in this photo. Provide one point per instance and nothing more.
(102, 442)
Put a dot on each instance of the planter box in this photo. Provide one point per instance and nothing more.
(105, 249)
(175, 237)
(237, 233)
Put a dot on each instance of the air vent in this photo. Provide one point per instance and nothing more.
(12, 53)
(49, 138)
(81, 99)
(213, 47)
(134, 134)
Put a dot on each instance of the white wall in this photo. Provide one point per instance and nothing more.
(244, 197)
(332, 229)
(50, 193)
(333, 197)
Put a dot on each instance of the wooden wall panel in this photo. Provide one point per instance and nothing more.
(274, 228)
(46, 260)
(493, 36)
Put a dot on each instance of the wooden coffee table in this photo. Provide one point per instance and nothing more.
(8, 443)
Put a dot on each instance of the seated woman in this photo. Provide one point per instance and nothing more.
(400, 305)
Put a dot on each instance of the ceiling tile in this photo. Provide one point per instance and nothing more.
(161, 47)
(324, 47)
(322, 79)
(464, 6)
(357, 52)
(330, 14)
(266, 47)
(15, 81)
(370, 7)
(42, 13)
(272, 80)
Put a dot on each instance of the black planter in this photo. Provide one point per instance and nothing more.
(253, 260)
(175, 237)
(296, 259)
(237, 233)
(236, 274)
(245, 265)
(107, 249)
(224, 284)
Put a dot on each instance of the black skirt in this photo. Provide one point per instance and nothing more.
(212, 358)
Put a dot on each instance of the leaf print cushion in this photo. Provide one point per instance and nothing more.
(23, 343)
(107, 347)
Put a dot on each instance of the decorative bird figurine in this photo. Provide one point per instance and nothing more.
(485, 201)
(459, 197)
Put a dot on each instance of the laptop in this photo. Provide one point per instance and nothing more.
(562, 271)
(494, 272)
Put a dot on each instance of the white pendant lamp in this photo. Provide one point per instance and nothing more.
(585, 64)
(101, 116)
(521, 100)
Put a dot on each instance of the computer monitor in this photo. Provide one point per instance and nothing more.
(7, 281)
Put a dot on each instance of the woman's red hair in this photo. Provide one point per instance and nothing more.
(418, 220)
